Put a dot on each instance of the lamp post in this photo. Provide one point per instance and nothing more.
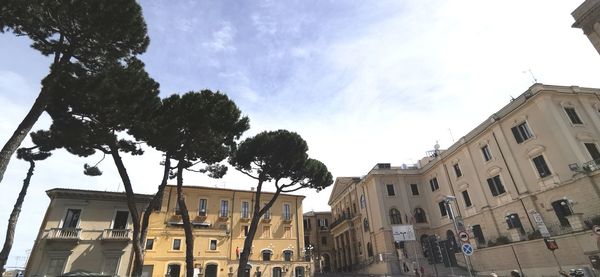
(448, 203)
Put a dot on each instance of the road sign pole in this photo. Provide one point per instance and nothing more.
(451, 214)
(556, 259)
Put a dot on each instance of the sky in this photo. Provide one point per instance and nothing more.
(362, 82)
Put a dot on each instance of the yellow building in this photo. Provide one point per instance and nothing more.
(536, 158)
(318, 240)
(221, 217)
(84, 231)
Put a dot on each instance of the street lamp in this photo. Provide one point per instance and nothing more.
(448, 199)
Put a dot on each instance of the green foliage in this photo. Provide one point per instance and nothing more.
(195, 127)
(93, 32)
(534, 235)
(91, 170)
(27, 154)
(96, 107)
(279, 155)
(502, 240)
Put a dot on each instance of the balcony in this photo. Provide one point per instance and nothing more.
(65, 234)
(345, 217)
(591, 166)
(286, 217)
(245, 217)
(116, 235)
(223, 215)
(175, 220)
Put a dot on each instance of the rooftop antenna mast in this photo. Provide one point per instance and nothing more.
(531, 74)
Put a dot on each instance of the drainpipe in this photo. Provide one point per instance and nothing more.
(513, 181)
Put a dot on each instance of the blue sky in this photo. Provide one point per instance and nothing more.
(362, 81)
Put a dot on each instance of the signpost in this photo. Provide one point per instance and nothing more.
(552, 245)
(403, 232)
(596, 229)
(467, 248)
(463, 236)
(539, 222)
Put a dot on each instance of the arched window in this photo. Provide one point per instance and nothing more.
(420, 216)
(266, 254)
(287, 255)
(395, 216)
(370, 249)
(366, 224)
(363, 201)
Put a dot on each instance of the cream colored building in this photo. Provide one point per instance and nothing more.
(318, 239)
(587, 18)
(537, 155)
(221, 218)
(82, 231)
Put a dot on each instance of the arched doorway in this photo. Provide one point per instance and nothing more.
(277, 272)
(299, 272)
(173, 270)
(326, 263)
(211, 270)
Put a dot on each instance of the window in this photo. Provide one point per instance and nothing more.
(562, 209)
(442, 207)
(541, 166)
(414, 188)
(466, 198)
(56, 266)
(307, 225)
(478, 234)
(420, 216)
(277, 272)
(306, 241)
(173, 270)
(212, 245)
(521, 132)
(323, 223)
(366, 225)
(287, 255)
(487, 155)
(363, 201)
(266, 232)
(573, 116)
(354, 207)
(395, 217)
(120, 221)
(202, 207)
(496, 186)
(593, 150)
(369, 249)
(149, 244)
(433, 182)
(513, 222)
(72, 218)
(176, 244)
(245, 230)
(457, 170)
(266, 255)
(390, 190)
(324, 240)
(267, 214)
(245, 209)
(287, 215)
(224, 208)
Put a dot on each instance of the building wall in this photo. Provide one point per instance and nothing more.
(283, 235)
(316, 229)
(554, 136)
(587, 18)
(89, 251)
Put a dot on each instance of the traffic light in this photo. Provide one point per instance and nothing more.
(427, 250)
(437, 252)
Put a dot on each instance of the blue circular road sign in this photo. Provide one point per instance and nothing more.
(467, 248)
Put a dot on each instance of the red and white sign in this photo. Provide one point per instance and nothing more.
(596, 229)
(463, 236)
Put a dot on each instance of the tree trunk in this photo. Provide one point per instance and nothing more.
(138, 259)
(187, 225)
(14, 216)
(23, 129)
(257, 213)
(154, 204)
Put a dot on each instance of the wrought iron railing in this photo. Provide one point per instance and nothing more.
(592, 165)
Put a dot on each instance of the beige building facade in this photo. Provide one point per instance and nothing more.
(318, 240)
(84, 231)
(537, 157)
(221, 218)
(587, 18)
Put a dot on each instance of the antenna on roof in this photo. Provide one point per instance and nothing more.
(451, 136)
(532, 76)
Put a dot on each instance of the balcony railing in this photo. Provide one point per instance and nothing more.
(345, 216)
(286, 217)
(592, 165)
(116, 234)
(65, 233)
(224, 214)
